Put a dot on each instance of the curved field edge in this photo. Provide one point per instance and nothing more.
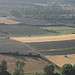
(44, 39)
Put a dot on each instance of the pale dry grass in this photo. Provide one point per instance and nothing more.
(60, 60)
(7, 21)
(32, 64)
(44, 39)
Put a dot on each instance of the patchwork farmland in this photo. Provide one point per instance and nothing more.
(36, 39)
(50, 45)
(17, 30)
(53, 49)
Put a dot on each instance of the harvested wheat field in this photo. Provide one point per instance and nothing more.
(44, 39)
(7, 21)
(32, 64)
(60, 60)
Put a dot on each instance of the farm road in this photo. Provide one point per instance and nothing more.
(33, 49)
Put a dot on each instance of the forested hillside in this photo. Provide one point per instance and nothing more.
(37, 8)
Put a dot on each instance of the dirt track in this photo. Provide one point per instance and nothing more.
(7, 21)
(44, 39)
(60, 60)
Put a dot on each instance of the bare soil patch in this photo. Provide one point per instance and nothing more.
(32, 64)
(7, 21)
(44, 39)
(60, 60)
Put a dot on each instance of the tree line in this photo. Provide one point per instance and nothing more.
(18, 69)
(67, 69)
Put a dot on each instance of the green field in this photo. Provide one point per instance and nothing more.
(18, 30)
(13, 30)
(59, 30)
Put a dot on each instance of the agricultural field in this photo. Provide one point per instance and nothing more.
(53, 45)
(3, 35)
(44, 39)
(5, 40)
(32, 64)
(18, 30)
(57, 52)
(55, 48)
(31, 21)
(7, 45)
(60, 60)
(50, 45)
(7, 21)
(61, 29)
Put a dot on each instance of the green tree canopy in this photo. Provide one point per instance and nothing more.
(3, 66)
(67, 69)
(19, 68)
(49, 69)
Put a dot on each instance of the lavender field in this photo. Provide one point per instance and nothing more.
(7, 45)
(3, 35)
(32, 21)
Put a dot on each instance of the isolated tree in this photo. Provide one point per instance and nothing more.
(49, 69)
(67, 69)
(3, 68)
(19, 68)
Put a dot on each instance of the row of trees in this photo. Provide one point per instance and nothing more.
(67, 69)
(18, 70)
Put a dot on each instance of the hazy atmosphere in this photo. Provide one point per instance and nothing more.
(37, 37)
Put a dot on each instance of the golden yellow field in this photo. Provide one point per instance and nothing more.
(45, 38)
(32, 64)
(7, 21)
(60, 60)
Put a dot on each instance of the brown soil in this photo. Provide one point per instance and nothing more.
(44, 39)
(32, 64)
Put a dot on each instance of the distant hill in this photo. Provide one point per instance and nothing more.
(22, 1)
(37, 8)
